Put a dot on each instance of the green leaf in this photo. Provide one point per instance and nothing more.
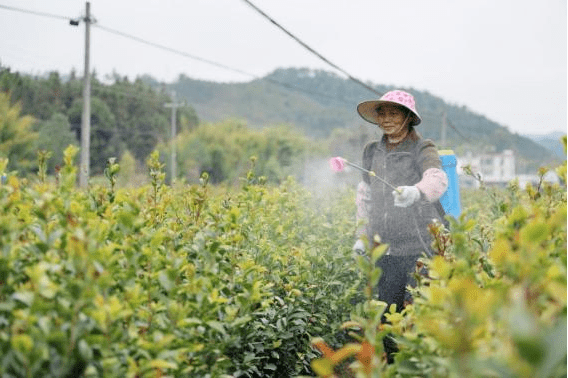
(322, 367)
(241, 320)
(532, 349)
(163, 364)
(85, 350)
(270, 367)
(189, 322)
(535, 232)
(218, 326)
(7, 306)
(25, 297)
(555, 348)
(375, 275)
(165, 282)
(22, 343)
(378, 252)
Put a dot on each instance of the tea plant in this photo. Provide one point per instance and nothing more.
(162, 281)
(494, 301)
(260, 281)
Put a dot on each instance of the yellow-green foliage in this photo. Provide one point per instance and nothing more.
(127, 170)
(16, 136)
(198, 281)
(494, 301)
(223, 150)
(161, 281)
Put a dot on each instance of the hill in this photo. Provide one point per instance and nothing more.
(551, 142)
(319, 102)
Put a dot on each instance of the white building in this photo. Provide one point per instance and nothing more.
(496, 169)
(492, 168)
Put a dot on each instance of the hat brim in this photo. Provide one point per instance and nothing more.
(368, 111)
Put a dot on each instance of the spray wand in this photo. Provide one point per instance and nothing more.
(337, 164)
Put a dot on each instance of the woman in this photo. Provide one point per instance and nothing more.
(399, 218)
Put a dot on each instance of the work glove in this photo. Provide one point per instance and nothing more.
(359, 247)
(405, 196)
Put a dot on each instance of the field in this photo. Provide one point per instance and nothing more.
(260, 281)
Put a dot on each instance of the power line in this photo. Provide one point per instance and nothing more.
(36, 13)
(447, 121)
(311, 49)
(175, 51)
(182, 53)
(112, 89)
(223, 66)
(210, 62)
(457, 131)
(74, 21)
(326, 60)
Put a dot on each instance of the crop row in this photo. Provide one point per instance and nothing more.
(169, 281)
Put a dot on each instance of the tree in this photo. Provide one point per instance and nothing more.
(48, 96)
(16, 137)
(55, 135)
(124, 115)
(187, 118)
(224, 149)
(127, 169)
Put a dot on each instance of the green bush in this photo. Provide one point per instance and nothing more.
(161, 281)
(223, 151)
(493, 303)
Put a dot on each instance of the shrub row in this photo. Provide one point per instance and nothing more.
(169, 281)
(493, 301)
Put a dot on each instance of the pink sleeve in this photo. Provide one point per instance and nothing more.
(434, 184)
(361, 200)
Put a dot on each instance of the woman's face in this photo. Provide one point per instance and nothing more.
(392, 120)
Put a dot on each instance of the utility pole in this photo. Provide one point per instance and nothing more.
(444, 128)
(174, 105)
(86, 119)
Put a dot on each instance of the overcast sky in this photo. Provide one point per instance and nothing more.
(504, 59)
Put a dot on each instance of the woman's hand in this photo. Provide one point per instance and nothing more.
(359, 247)
(405, 196)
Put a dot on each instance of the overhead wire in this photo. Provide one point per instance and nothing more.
(44, 14)
(175, 51)
(327, 60)
(313, 51)
(457, 131)
(115, 91)
(207, 61)
(182, 53)
(448, 122)
(226, 67)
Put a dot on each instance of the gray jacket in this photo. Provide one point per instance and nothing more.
(404, 229)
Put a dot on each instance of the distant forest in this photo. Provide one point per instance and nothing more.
(282, 119)
(321, 103)
(125, 116)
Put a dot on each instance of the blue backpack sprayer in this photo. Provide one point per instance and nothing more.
(450, 200)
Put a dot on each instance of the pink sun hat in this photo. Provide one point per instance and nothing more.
(368, 109)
